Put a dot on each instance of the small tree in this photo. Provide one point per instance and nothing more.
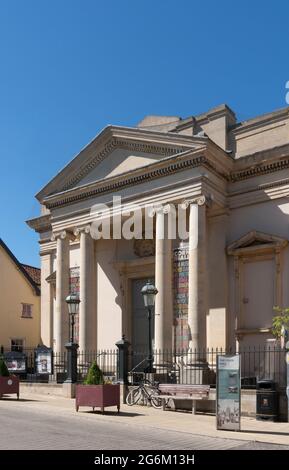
(4, 372)
(94, 376)
(280, 320)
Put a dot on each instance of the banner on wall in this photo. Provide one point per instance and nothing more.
(228, 403)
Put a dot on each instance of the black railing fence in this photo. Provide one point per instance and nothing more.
(169, 366)
(200, 366)
(106, 359)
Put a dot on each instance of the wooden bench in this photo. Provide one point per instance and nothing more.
(183, 392)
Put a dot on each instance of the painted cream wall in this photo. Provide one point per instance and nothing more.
(109, 295)
(271, 217)
(15, 289)
(217, 283)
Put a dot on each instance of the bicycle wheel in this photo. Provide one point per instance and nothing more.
(156, 402)
(133, 396)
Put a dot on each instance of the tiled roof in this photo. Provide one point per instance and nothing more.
(33, 272)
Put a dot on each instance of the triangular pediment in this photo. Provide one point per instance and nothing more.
(116, 151)
(255, 239)
(117, 162)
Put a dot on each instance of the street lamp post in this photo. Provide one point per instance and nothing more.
(149, 293)
(73, 308)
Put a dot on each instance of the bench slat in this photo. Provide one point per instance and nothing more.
(183, 392)
(189, 392)
(182, 397)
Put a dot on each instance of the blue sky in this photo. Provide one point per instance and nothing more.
(70, 67)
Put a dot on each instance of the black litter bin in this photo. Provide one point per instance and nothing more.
(267, 400)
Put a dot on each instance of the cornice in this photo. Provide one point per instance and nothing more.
(219, 111)
(260, 169)
(260, 121)
(40, 224)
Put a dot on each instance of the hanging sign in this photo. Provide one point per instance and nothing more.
(228, 403)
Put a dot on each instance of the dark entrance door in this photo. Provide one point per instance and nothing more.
(140, 329)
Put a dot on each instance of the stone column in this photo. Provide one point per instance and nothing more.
(163, 282)
(197, 272)
(61, 321)
(86, 323)
(46, 326)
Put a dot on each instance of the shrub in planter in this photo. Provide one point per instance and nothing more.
(94, 376)
(8, 383)
(95, 392)
(4, 372)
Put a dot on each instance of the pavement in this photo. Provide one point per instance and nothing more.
(50, 422)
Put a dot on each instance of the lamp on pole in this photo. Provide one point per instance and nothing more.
(73, 308)
(149, 292)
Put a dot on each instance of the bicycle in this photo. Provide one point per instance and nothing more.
(145, 391)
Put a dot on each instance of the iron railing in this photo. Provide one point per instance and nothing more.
(200, 366)
(106, 360)
(170, 366)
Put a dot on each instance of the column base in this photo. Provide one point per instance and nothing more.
(68, 389)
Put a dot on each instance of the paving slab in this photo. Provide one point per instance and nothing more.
(141, 416)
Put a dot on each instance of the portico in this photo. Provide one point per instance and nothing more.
(168, 171)
(153, 261)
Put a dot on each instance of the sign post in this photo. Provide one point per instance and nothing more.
(228, 402)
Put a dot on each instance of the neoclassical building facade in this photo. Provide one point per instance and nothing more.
(218, 288)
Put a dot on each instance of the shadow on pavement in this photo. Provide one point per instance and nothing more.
(113, 413)
(17, 401)
(276, 433)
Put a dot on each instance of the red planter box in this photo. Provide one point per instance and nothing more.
(9, 385)
(97, 396)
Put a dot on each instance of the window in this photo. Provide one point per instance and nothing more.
(17, 344)
(27, 310)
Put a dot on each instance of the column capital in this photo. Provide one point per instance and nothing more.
(160, 209)
(203, 199)
(84, 229)
(62, 235)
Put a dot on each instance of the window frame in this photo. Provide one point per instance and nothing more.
(25, 305)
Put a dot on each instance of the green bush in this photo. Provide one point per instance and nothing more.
(280, 320)
(94, 376)
(4, 372)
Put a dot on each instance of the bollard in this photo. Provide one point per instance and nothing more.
(122, 360)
